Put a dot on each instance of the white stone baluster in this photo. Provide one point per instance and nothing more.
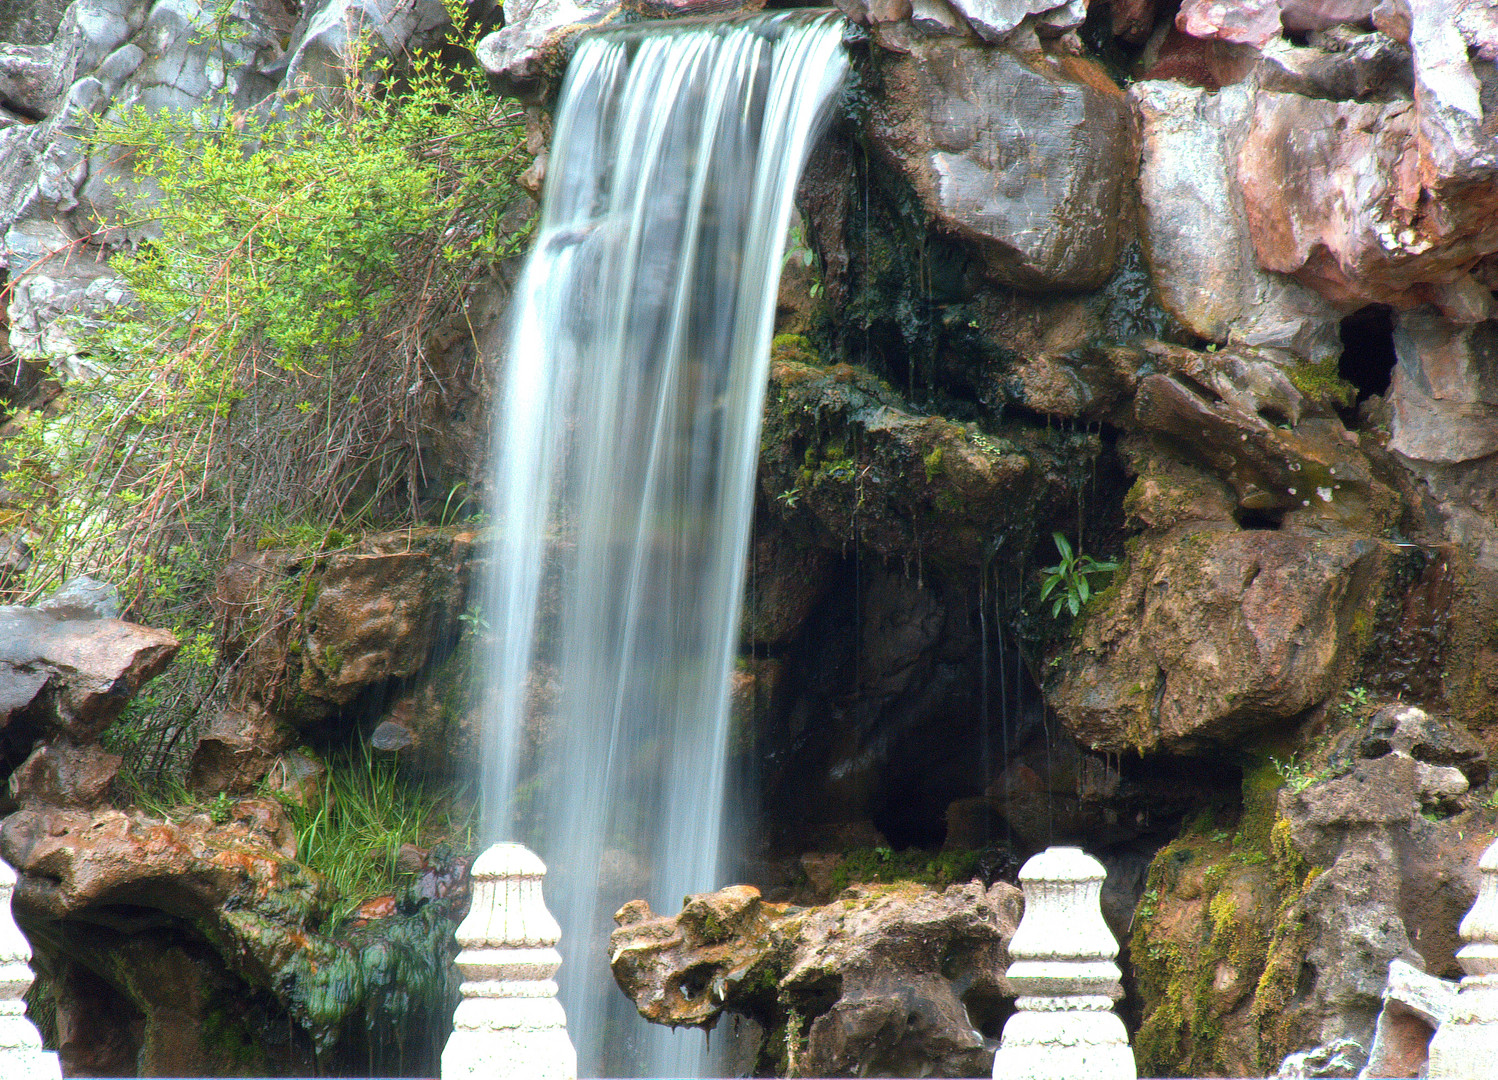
(1465, 1046)
(509, 1023)
(1065, 974)
(21, 1053)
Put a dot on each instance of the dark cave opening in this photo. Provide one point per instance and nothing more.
(1368, 356)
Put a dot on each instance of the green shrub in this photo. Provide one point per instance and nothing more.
(283, 347)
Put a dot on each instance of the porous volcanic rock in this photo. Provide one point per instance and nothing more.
(892, 980)
(1211, 634)
(974, 129)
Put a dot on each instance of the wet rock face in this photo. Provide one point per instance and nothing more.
(973, 129)
(313, 635)
(1214, 634)
(69, 678)
(886, 980)
(838, 441)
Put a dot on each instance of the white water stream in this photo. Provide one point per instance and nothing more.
(625, 447)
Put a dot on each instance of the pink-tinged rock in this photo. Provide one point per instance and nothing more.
(1304, 15)
(1195, 229)
(1391, 202)
(1242, 22)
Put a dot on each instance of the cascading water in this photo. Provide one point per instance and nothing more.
(625, 449)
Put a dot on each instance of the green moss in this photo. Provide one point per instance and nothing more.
(1321, 382)
(885, 865)
(932, 462)
(1180, 963)
(793, 348)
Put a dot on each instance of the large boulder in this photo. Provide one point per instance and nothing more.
(1028, 161)
(313, 632)
(1385, 202)
(69, 678)
(1195, 229)
(200, 948)
(887, 980)
(1210, 635)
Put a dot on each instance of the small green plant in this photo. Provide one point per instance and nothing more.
(1296, 776)
(1069, 578)
(473, 621)
(797, 249)
(1357, 703)
(790, 498)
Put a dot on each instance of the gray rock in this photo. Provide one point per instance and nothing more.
(71, 677)
(1445, 392)
(390, 737)
(530, 46)
(1022, 162)
(1415, 1004)
(993, 20)
(328, 30)
(1394, 886)
(1195, 230)
(83, 597)
(1342, 1058)
(30, 22)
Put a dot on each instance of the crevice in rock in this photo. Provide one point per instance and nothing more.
(1368, 356)
(35, 116)
(1257, 519)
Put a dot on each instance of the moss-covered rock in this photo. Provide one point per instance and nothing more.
(842, 449)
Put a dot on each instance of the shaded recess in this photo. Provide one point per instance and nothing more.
(1368, 356)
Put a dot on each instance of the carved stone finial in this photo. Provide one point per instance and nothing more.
(21, 1053)
(1465, 1046)
(1064, 970)
(509, 1023)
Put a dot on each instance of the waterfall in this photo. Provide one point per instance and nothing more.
(625, 449)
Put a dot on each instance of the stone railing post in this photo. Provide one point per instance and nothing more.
(1465, 1046)
(508, 1023)
(1065, 974)
(21, 1053)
